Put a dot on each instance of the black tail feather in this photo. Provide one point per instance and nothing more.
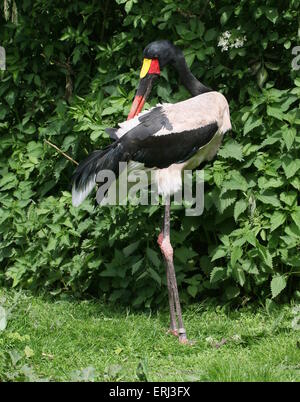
(84, 177)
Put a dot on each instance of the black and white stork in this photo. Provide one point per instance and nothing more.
(165, 139)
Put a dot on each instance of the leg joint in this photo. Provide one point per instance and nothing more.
(166, 248)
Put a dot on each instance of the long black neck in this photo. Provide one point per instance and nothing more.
(194, 86)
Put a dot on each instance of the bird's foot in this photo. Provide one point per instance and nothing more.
(172, 331)
(183, 338)
(187, 342)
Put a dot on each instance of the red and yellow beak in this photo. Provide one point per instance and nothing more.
(149, 72)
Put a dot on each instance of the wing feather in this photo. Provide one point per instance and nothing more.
(164, 150)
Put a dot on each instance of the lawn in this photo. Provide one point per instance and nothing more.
(69, 339)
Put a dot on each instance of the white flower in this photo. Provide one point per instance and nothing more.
(227, 42)
(238, 43)
(224, 41)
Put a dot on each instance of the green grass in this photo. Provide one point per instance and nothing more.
(62, 338)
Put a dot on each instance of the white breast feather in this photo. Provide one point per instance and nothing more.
(127, 125)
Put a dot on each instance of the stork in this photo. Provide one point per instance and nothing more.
(167, 139)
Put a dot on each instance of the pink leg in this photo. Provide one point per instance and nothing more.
(173, 325)
(167, 251)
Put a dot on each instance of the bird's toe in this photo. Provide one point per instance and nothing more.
(172, 332)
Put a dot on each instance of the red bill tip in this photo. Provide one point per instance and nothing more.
(136, 107)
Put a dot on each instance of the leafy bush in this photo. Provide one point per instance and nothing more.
(72, 70)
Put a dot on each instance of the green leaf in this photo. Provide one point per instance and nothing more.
(295, 182)
(210, 34)
(232, 149)
(225, 200)
(236, 254)
(10, 98)
(189, 58)
(271, 14)
(218, 177)
(37, 80)
(76, 55)
(289, 135)
(137, 266)
(270, 306)
(108, 111)
(239, 208)
(269, 199)
(265, 182)
(200, 54)
(250, 237)
(296, 217)
(131, 248)
(265, 254)
(217, 274)
(278, 283)
(269, 141)
(290, 166)
(95, 135)
(239, 275)
(231, 291)
(275, 112)
(219, 253)
(184, 254)
(154, 275)
(287, 103)
(236, 182)
(8, 181)
(48, 50)
(225, 16)
(272, 66)
(163, 92)
(192, 290)
(277, 219)
(128, 6)
(251, 124)
(153, 257)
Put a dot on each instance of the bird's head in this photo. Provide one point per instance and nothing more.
(162, 50)
(156, 55)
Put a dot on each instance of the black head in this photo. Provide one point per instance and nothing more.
(156, 55)
(164, 51)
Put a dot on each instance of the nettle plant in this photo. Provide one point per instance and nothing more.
(262, 195)
(72, 71)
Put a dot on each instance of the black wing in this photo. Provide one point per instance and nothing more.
(164, 150)
(141, 145)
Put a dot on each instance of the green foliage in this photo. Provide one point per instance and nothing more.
(88, 340)
(3, 319)
(72, 70)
